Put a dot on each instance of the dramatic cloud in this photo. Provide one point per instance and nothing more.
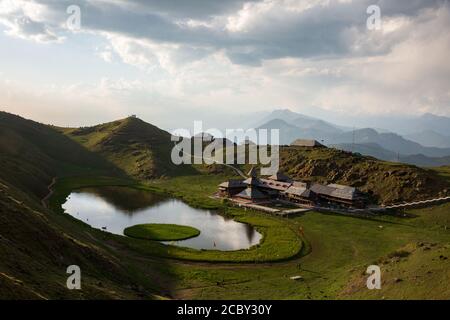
(262, 54)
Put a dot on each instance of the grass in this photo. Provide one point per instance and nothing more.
(385, 182)
(332, 255)
(340, 250)
(161, 232)
(281, 241)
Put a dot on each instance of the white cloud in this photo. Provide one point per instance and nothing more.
(252, 55)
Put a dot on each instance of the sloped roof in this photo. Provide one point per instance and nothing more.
(279, 176)
(306, 143)
(276, 185)
(300, 191)
(253, 182)
(251, 193)
(233, 184)
(336, 191)
(252, 173)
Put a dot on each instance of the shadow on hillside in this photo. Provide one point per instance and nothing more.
(39, 247)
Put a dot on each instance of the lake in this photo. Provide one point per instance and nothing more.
(117, 208)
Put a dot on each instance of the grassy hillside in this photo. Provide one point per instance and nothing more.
(32, 153)
(386, 182)
(374, 150)
(37, 244)
(140, 149)
(36, 247)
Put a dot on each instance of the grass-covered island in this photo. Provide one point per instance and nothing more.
(161, 232)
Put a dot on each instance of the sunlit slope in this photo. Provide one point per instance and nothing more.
(31, 154)
(385, 182)
(140, 149)
(36, 247)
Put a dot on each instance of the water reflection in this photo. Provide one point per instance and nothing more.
(116, 208)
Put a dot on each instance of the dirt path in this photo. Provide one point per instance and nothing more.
(50, 193)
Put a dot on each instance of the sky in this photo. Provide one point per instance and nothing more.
(175, 61)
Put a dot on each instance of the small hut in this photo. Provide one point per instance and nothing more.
(307, 143)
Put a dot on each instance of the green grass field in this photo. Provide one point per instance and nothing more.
(330, 252)
(161, 232)
(281, 240)
(335, 253)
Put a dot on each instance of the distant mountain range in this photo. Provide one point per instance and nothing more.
(429, 138)
(376, 151)
(426, 147)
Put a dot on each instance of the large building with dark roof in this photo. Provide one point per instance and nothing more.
(259, 190)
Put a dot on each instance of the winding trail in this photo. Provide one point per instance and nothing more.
(50, 193)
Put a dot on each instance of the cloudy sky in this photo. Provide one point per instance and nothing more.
(175, 61)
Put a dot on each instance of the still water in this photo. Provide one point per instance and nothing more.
(117, 208)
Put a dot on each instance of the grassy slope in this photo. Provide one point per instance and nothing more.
(387, 182)
(35, 254)
(36, 245)
(280, 241)
(36, 249)
(31, 154)
(341, 248)
(140, 149)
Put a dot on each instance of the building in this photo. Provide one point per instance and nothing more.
(307, 143)
(279, 176)
(258, 190)
(231, 188)
(252, 194)
(339, 195)
(300, 192)
(253, 191)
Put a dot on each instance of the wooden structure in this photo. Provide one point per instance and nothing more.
(299, 192)
(340, 195)
(307, 143)
(281, 187)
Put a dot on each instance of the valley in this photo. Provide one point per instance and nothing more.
(330, 252)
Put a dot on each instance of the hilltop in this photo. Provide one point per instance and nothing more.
(31, 154)
(141, 150)
(36, 244)
(133, 148)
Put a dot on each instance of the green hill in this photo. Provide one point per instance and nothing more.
(31, 154)
(386, 182)
(138, 148)
(37, 245)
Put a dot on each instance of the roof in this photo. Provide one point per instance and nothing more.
(276, 185)
(336, 191)
(251, 193)
(233, 184)
(299, 184)
(252, 173)
(306, 143)
(279, 176)
(300, 191)
(253, 182)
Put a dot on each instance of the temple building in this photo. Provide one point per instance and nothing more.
(281, 187)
